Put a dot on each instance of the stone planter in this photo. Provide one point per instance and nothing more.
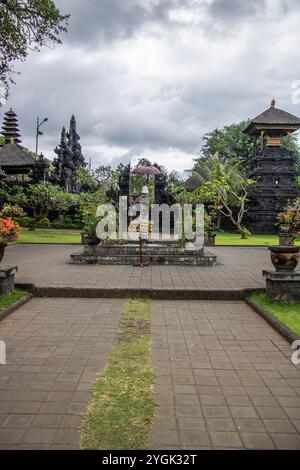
(284, 258)
(2, 250)
(89, 239)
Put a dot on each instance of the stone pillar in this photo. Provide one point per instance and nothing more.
(282, 286)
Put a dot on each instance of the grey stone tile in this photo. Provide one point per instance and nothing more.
(226, 440)
(282, 426)
(257, 441)
(286, 441)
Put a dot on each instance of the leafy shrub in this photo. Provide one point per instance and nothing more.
(25, 221)
(44, 223)
(12, 211)
(67, 222)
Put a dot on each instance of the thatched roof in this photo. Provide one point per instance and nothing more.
(274, 116)
(192, 183)
(13, 155)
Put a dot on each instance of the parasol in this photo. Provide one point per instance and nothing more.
(147, 170)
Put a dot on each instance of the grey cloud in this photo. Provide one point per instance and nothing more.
(232, 9)
(112, 112)
(106, 20)
(94, 21)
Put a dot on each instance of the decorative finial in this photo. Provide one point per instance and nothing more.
(273, 102)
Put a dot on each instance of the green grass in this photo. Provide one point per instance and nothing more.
(73, 236)
(8, 300)
(289, 314)
(235, 239)
(49, 236)
(121, 412)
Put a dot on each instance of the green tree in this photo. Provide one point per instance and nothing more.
(106, 177)
(230, 187)
(85, 179)
(13, 194)
(231, 144)
(26, 25)
(45, 198)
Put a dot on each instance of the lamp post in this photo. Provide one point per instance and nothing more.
(38, 133)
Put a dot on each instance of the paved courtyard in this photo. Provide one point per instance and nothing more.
(224, 379)
(48, 266)
(55, 348)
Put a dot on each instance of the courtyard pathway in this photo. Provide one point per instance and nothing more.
(48, 266)
(224, 379)
(55, 348)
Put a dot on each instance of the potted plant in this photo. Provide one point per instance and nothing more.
(289, 224)
(9, 231)
(90, 222)
(285, 257)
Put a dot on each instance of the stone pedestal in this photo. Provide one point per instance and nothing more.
(7, 280)
(283, 286)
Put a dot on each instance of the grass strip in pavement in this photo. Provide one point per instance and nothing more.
(121, 412)
(8, 300)
(289, 314)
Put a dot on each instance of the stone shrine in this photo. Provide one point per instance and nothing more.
(272, 168)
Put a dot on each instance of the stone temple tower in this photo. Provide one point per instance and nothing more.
(272, 167)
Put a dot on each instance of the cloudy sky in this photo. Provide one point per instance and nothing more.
(150, 77)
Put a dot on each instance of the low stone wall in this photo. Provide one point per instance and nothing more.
(134, 249)
(157, 255)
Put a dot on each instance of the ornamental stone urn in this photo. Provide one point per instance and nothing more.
(210, 238)
(284, 258)
(91, 240)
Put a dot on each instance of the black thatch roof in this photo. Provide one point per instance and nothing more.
(192, 183)
(274, 116)
(13, 155)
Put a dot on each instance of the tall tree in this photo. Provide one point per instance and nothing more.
(63, 164)
(74, 145)
(230, 187)
(26, 25)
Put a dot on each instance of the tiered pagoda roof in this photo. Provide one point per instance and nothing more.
(273, 118)
(10, 128)
(14, 159)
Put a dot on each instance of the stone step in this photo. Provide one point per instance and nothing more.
(154, 259)
(122, 250)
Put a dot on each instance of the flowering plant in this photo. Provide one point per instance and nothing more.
(9, 230)
(12, 211)
(291, 216)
